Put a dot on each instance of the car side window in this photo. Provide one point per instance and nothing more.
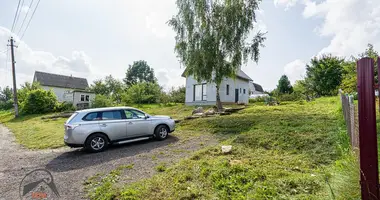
(111, 115)
(134, 114)
(138, 114)
(91, 117)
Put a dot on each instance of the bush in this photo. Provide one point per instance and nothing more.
(142, 93)
(290, 97)
(6, 105)
(64, 106)
(258, 99)
(102, 101)
(177, 95)
(39, 101)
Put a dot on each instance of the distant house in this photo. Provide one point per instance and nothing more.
(66, 88)
(231, 90)
(255, 90)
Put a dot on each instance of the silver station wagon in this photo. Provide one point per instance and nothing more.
(95, 129)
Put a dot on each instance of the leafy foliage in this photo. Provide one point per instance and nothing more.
(139, 72)
(324, 75)
(22, 93)
(212, 38)
(141, 93)
(349, 81)
(39, 101)
(108, 87)
(102, 101)
(64, 106)
(6, 96)
(284, 86)
(177, 95)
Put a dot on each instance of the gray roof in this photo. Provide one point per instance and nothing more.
(56, 80)
(243, 75)
(258, 87)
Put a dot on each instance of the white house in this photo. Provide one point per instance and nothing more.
(66, 88)
(255, 90)
(231, 90)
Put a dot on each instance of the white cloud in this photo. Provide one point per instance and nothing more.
(29, 60)
(351, 24)
(295, 70)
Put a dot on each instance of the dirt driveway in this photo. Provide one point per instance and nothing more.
(71, 167)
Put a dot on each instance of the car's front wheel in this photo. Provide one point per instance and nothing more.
(96, 143)
(161, 132)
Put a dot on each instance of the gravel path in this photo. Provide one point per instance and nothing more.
(71, 167)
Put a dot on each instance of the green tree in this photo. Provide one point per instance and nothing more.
(139, 72)
(324, 74)
(102, 101)
(284, 86)
(99, 87)
(108, 87)
(212, 38)
(349, 81)
(177, 95)
(141, 93)
(6, 94)
(115, 87)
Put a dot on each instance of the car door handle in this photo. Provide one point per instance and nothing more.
(103, 125)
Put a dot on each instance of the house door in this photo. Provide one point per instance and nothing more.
(236, 95)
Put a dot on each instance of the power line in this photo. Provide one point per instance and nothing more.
(14, 20)
(26, 15)
(19, 12)
(30, 19)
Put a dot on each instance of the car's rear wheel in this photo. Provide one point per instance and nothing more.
(161, 132)
(96, 143)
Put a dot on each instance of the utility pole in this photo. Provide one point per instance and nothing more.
(14, 77)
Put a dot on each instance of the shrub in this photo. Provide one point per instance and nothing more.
(290, 97)
(64, 106)
(258, 99)
(102, 101)
(6, 105)
(177, 95)
(142, 93)
(39, 101)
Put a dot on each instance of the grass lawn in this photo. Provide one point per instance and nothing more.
(34, 133)
(292, 151)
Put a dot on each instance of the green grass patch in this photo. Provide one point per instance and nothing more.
(291, 151)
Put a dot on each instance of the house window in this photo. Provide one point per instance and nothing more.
(240, 90)
(243, 91)
(87, 97)
(82, 97)
(204, 92)
(228, 89)
(200, 92)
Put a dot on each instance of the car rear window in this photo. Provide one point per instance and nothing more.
(91, 116)
(71, 117)
(111, 115)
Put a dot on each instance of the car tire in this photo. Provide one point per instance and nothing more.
(96, 143)
(161, 132)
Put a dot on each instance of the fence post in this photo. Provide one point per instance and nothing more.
(369, 176)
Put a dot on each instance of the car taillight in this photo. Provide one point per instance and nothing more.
(71, 126)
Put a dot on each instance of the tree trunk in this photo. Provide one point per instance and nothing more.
(218, 102)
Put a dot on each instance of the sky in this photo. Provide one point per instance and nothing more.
(96, 38)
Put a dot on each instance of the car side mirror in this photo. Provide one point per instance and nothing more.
(146, 116)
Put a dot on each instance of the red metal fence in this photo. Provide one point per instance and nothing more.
(369, 171)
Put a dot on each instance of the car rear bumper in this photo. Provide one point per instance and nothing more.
(74, 145)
